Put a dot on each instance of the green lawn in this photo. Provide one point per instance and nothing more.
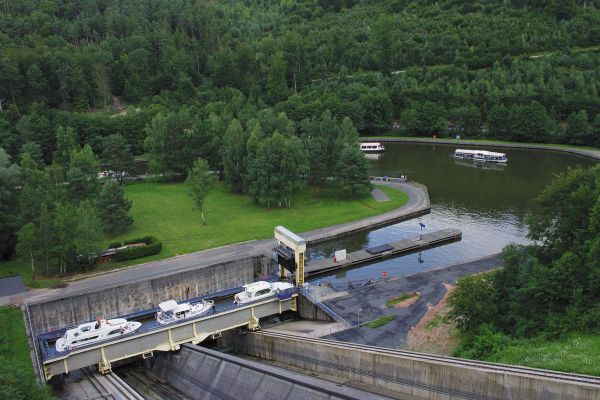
(166, 211)
(399, 299)
(376, 323)
(17, 379)
(577, 353)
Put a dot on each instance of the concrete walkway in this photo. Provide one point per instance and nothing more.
(585, 152)
(12, 285)
(394, 249)
(417, 204)
(379, 195)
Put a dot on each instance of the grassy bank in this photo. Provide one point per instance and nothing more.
(17, 380)
(576, 353)
(166, 211)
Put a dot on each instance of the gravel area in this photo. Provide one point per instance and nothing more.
(371, 300)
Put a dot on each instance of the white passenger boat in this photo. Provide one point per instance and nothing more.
(260, 290)
(171, 311)
(480, 155)
(93, 332)
(372, 147)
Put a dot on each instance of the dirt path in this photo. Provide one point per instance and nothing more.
(434, 334)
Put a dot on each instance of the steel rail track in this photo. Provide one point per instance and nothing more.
(501, 368)
(111, 387)
(153, 386)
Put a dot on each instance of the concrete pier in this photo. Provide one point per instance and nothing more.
(395, 249)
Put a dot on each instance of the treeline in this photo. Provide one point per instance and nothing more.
(78, 54)
(548, 289)
(259, 152)
(244, 85)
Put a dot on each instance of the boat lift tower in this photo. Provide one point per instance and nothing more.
(290, 256)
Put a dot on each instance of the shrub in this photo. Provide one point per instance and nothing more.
(153, 246)
(114, 245)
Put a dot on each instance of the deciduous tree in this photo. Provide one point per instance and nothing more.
(27, 247)
(200, 182)
(88, 234)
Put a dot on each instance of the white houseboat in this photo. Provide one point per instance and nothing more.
(372, 147)
(171, 311)
(260, 290)
(480, 155)
(93, 332)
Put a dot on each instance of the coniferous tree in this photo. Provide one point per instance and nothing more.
(66, 142)
(115, 152)
(9, 219)
(113, 208)
(34, 189)
(82, 174)
(353, 172)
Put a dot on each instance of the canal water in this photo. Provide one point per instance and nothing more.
(486, 202)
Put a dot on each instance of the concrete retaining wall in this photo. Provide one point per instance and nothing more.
(408, 375)
(308, 310)
(125, 299)
(207, 374)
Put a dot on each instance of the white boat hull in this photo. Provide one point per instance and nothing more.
(71, 341)
(196, 310)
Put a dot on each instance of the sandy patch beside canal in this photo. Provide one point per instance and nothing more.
(434, 334)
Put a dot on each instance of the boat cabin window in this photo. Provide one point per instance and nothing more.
(115, 331)
(85, 329)
(262, 292)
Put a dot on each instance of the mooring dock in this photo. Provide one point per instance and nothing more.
(387, 250)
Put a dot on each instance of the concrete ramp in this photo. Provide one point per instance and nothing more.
(204, 374)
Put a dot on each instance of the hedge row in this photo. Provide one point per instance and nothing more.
(153, 246)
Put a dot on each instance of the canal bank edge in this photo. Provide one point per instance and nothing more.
(418, 204)
(584, 152)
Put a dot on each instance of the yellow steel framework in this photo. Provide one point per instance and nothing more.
(298, 245)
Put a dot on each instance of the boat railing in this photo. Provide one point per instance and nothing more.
(400, 179)
(285, 294)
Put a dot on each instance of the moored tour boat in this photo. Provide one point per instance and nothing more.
(372, 147)
(93, 332)
(171, 311)
(260, 290)
(480, 155)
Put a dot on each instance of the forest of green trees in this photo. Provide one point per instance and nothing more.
(547, 289)
(270, 93)
(273, 94)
